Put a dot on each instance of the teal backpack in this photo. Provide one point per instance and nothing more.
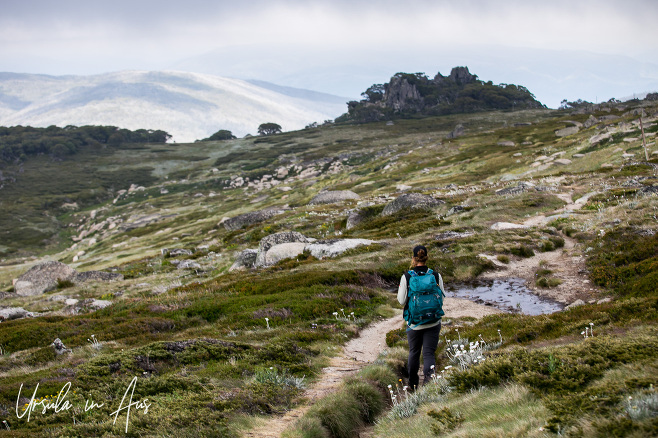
(425, 304)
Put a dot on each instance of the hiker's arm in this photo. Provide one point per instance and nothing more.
(402, 291)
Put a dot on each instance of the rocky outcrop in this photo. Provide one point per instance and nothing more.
(499, 226)
(186, 264)
(521, 187)
(506, 143)
(46, 276)
(457, 132)
(332, 248)
(598, 138)
(137, 221)
(272, 240)
(59, 347)
(75, 307)
(81, 277)
(246, 259)
(330, 197)
(175, 252)
(455, 210)
(407, 94)
(354, 218)
(282, 251)
(410, 201)
(564, 132)
(9, 313)
(591, 121)
(402, 95)
(243, 220)
(42, 278)
(280, 246)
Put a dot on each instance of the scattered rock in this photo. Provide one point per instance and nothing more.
(332, 248)
(506, 143)
(604, 300)
(9, 313)
(567, 131)
(268, 242)
(649, 190)
(521, 187)
(498, 226)
(251, 218)
(448, 235)
(330, 197)
(598, 138)
(455, 210)
(518, 154)
(175, 252)
(591, 121)
(607, 166)
(42, 278)
(188, 264)
(45, 277)
(59, 347)
(246, 259)
(403, 187)
(354, 218)
(81, 277)
(578, 155)
(282, 251)
(575, 304)
(75, 307)
(562, 161)
(410, 200)
(458, 131)
(141, 221)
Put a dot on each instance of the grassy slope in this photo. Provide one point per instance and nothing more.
(202, 388)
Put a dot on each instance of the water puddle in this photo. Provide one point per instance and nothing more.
(508, 294)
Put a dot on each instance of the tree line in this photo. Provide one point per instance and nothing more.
(21, 142)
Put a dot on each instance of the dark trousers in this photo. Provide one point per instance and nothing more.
(427, 340)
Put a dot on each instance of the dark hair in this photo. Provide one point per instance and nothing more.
(419, 256)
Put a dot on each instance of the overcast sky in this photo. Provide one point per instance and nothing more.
(600, 49)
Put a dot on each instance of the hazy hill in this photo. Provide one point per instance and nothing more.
(189, 106)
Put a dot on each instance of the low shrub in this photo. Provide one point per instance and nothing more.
(625, 261)
(522, 251)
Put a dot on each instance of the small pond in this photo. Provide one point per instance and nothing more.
(507, 294)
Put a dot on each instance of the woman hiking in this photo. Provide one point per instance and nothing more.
(421, 294)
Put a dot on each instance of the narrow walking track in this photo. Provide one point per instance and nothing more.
(357, 353)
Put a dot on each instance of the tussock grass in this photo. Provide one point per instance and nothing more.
(507, 411)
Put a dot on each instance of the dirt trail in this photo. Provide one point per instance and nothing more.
(566, 263)
(357, 353)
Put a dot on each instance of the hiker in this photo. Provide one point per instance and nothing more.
(421, 294)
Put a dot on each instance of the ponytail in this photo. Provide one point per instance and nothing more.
(419, 258)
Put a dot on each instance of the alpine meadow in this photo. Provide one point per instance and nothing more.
(246, 287)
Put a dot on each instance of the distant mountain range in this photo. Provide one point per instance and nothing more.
(189, 106)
